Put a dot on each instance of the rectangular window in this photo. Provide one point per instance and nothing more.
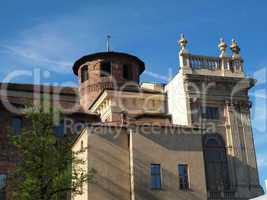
(3, 178)
(210, 112)
(60, 129)
(183, 176)
(105, 69)
(16, 124)
(155, 172)
(127, 72)
(84, 73)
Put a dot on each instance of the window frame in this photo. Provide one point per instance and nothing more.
(183, 185)
(157, 175)
(210, 112)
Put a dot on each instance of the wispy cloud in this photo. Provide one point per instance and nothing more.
(51, 45)
(32, 55)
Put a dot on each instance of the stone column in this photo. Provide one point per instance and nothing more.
(230, 143)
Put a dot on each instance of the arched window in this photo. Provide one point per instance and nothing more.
(216, 167)
(105, 68)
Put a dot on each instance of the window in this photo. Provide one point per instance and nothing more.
(84, 73)
(183, 177)
(210, 112)
(105, 69)
(16, 124)
(216, 167)
(127, 72)
(3, 178)
(60, 129)
(155, 171)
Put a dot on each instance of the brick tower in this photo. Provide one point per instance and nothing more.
(105, 70)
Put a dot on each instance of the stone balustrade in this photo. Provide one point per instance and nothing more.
(198, 62)
(211, 63)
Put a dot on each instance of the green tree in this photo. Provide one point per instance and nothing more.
(44, 170)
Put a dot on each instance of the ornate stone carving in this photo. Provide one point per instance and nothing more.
(222, 46)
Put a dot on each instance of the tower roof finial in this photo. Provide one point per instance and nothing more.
(222, 47)
(108, 42)
(182, 42)
(235, 49)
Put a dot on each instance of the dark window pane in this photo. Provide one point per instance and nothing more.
(183, 177)
(127, 72)
(105, 69)
(84, 73)
(155, 171)
(210, 112)
(212, 142)
(16, 124)
(217, 175)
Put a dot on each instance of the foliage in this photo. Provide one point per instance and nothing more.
(44, 170)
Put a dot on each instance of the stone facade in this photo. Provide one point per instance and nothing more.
(208, 130)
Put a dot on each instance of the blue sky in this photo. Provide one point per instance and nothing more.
(51, 35)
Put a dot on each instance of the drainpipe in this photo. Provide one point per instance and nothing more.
(131, 164)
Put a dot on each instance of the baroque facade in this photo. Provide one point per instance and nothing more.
(190, 138)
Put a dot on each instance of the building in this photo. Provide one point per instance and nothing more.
(188, 139)
(14, 97)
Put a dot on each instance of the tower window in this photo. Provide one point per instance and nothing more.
(183, 177)
(105, 69)
(16, 124)
(210, 112)
(84, 73)
(155, 171)
(127, 72)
